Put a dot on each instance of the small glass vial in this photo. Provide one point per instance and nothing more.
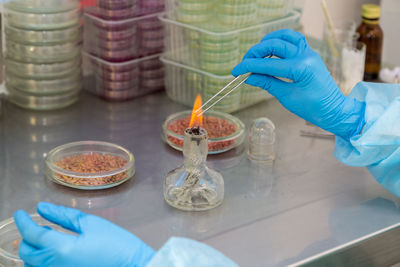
(371, 35)
(261, 140)
(194, 186)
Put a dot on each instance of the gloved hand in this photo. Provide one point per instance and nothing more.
(98, 242)
(313, 95)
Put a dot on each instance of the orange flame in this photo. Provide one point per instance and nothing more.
(196, 120)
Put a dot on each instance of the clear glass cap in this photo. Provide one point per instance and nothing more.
(261, 140)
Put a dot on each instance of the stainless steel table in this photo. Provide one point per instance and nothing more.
(305, 203)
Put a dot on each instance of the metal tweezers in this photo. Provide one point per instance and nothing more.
(232, 85)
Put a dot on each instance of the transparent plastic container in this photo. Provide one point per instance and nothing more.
(123, 81)
(47, 102)
(73, 34)
(214, 48)
(228, 13)
(10, 239)
(42, 53)
(42, 71)
(46, 86)
(42, 21)
(183, 83)
(122, 40)
(43, 6)
(59, 170)
(216, 145)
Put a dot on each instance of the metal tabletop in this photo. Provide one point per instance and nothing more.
(303, 204)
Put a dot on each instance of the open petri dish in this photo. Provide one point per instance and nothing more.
(10, 239)
(90, 165)
(224, 131)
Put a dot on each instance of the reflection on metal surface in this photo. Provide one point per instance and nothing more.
(377, 249)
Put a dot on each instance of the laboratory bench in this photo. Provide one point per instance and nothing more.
(303, 204)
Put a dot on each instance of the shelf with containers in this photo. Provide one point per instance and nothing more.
(200, 60)
(121, 59)
(42, 53)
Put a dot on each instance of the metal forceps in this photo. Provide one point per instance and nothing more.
(232, 85)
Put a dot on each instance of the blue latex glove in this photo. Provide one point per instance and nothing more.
(313, 95)
(98, 242)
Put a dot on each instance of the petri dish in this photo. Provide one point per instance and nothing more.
(116, 35)
(151, 85)
(43, 6)
(219, 68)
(117, 14)
(42, 71)
(117, 76)
(114, 55)
(116, 45)
(152, 74)
(47, 86)
(42, 53)
(42, 21)
(131, 84)
(237, 20)
(193, 18)
(48, 102)
(118, 167)
(220, 138)
(10, 239)
(116, 4)
(219, 56)
(236, 8)
(119, 95)
(73, 34)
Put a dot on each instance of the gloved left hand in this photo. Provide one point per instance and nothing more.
(98, 242)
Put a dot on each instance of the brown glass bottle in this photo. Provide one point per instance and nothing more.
(371, 35)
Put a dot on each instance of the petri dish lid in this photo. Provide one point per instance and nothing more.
(10, 239)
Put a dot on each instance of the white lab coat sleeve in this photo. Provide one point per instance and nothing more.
(377, 147)
(182, 252)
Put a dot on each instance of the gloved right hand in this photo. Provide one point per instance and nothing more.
(97, 243)
(312, 94)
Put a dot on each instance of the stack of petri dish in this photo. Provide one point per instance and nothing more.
(42, 59)
(123, 40)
